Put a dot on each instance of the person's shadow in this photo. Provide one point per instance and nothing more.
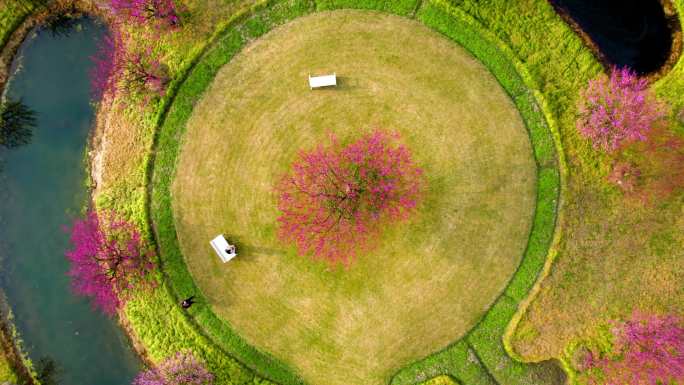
(247, 251)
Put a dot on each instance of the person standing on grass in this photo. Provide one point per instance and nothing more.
(186, 303)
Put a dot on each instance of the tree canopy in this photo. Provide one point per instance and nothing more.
(107, 259)
(337, 197)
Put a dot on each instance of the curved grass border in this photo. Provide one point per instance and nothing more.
(474, 359)
(483, 355)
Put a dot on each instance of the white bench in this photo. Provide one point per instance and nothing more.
(322, 81)
(224, 250)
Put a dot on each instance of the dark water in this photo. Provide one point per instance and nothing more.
(631, 33)
(41, 190)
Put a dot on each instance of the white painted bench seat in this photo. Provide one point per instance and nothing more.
(322, 81)
(224, 250)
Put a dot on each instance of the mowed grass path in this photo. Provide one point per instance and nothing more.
(431, 279)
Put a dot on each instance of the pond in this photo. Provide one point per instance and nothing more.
(631, 33)
(41, 190)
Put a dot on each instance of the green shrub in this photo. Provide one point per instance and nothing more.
(400, 7)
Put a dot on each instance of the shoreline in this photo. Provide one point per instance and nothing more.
(672, 18)
(11, 345)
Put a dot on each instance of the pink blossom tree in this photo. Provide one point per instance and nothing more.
(180, 369)
(107, 259)
(338, 197)
(148, 11)
(618, 109)
(648, 350)
(117, 68)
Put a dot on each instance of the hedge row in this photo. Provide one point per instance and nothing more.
(399, 7)
(671, 86)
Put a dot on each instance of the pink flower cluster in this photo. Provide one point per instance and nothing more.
(337, 198)
(116, 69)
(649, 350)
(107, 259)
(618, 109)
(180, 369)
(148, 11)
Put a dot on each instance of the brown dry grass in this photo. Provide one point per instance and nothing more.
(432, 278)
(618, 255)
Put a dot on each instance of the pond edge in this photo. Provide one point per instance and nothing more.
(673, 22)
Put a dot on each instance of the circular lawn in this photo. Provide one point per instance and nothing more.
(431, 278)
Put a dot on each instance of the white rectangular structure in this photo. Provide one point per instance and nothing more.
(224, 250)
(323, 81)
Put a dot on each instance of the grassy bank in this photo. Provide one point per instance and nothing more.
(12, 14)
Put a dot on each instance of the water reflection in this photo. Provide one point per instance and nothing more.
(17, 122)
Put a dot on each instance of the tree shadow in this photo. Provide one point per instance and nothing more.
(17, 122)
(48, 371)
(547, 372)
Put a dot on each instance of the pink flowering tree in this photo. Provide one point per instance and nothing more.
(618, 109)
(180, 369)
(148, 11)
(107, 259)
(116, 68)
(648, 350)
(338, 197)
(143, 73)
